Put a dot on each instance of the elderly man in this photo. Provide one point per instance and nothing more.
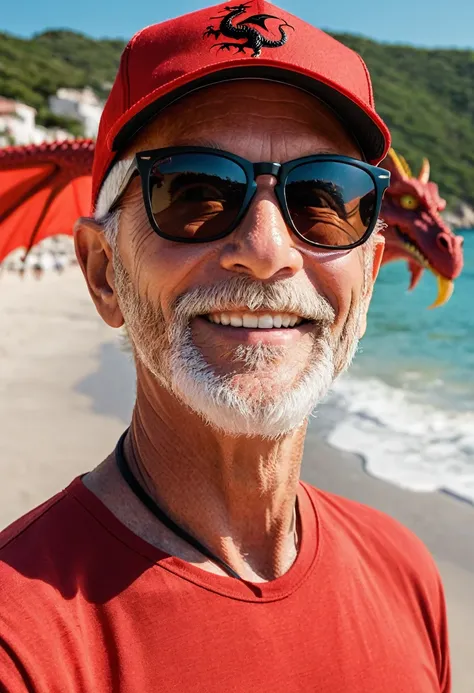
(236, 195)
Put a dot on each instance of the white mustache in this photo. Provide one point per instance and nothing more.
(283, 296)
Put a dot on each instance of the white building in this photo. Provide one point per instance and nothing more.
(18, 125)
(83, 106)
(17, 122)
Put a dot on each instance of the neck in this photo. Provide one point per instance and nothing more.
(236, 495)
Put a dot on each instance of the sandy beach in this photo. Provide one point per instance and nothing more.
(66, 392)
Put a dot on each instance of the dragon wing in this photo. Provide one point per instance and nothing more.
(43, 190)
(258, 20)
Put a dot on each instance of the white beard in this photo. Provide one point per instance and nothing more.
(170, 354)
(219, 403)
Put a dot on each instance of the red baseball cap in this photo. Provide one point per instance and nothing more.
(256, 39)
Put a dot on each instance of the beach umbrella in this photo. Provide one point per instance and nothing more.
(43, 190)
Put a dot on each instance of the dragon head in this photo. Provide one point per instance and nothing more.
(415, 230)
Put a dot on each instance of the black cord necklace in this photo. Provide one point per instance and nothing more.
(153, 507)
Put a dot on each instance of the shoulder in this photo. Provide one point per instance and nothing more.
(70, 547)
(43, 527)
(40, 554)
(52, 561)
(375, 537)
(47, 554)
(390, 563)
(20, 530)
(386, 559)
(35, 549)
(33, 554)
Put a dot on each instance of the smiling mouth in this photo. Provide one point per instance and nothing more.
(255, 320)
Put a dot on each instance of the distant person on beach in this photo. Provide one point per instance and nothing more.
(236, 198)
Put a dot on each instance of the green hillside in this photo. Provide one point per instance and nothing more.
(33, 69)
(427, 99)
(425, 96)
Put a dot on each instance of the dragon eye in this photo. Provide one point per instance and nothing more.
(409, 202)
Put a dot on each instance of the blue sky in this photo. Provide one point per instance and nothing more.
(420, 22)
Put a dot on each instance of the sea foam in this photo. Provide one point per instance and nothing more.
(403, 440)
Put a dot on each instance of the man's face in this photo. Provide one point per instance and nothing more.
(175, 297)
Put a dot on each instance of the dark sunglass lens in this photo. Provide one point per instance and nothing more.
(196, 196)
(331, 203)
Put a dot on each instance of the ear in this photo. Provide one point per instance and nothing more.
(94, 255)
(370, 281)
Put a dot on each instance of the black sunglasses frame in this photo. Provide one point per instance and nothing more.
(144, 162)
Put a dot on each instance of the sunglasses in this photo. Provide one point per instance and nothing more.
(199, 194)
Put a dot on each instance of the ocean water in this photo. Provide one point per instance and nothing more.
(408, 404)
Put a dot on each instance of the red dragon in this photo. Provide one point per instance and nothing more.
(415, 230)
(254, 40)
(44, 188)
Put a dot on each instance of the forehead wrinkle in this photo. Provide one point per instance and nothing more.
(282, 134)
(301, 108)
(179, 120)
(237, 107)
(250, 119)
(300, 103)
(197, 141)
(272, 139)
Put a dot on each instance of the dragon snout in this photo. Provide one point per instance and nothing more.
(446, 240)
(450, 246)
(441, 247)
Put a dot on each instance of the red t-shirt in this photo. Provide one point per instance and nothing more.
(86, 605)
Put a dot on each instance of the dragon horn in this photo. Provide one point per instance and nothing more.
(400, 165)
(424, 175)
(406, 166)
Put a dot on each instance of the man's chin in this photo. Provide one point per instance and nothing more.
(250, 390)
(262, 403)
(263, 386)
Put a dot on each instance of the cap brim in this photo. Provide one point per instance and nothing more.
(369, 131)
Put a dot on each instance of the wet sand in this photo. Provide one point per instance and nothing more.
(66, 393)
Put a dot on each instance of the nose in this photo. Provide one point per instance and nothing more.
(262, 246)
(448, 241)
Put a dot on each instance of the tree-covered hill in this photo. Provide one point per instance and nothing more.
(427, 99)
(33, 69)
(425, 96)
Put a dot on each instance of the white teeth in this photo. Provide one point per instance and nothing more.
(265, 322)
(254, 320)
(277, 322)
(250, 320)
